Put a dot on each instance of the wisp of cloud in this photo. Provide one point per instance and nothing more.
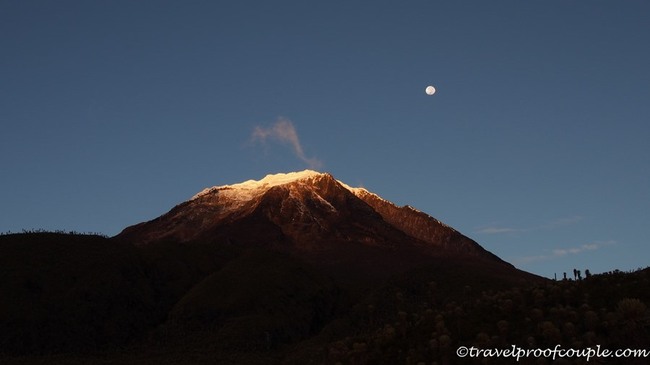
(284, 132)
(562, 252)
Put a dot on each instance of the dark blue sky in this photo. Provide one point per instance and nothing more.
(535, 144)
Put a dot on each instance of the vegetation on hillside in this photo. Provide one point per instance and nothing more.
(79, 298)
(420, 323)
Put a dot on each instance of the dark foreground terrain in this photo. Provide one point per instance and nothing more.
(85, 299)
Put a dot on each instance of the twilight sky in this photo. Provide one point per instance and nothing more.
(536, 143)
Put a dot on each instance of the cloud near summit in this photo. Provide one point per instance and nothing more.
(284, 132)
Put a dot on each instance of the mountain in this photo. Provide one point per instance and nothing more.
(295, 268)
(316, 217)
(294, 252)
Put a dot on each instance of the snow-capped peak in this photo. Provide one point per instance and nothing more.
(248, 189)
(360, 192)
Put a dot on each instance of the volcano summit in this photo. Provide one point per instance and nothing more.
(313, 216)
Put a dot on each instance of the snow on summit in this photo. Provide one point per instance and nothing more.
(250, 188)
(236, 195)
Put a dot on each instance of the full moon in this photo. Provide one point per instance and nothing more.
(430, 90)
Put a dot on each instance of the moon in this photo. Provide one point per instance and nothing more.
(430, 90)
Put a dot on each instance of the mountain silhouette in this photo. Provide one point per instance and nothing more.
(318, 218)
(256, 267)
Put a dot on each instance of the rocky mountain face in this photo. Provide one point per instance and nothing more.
(312, 215)
(437, 235)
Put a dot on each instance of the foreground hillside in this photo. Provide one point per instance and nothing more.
(424, 319)
(87, 299)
